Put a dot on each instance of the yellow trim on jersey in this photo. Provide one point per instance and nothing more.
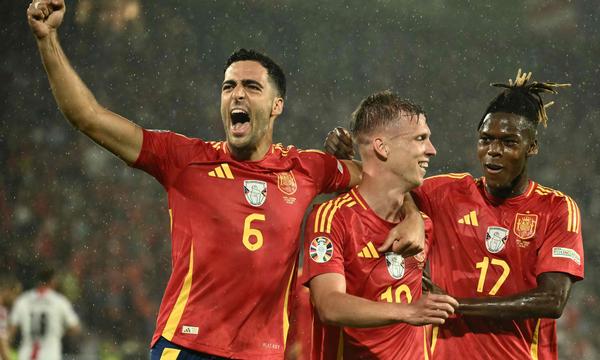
(434, 336)
(337, 206)
(169, 354)
(358, 199)
(340, 349)
(171, 219)
(451, 175)
(324, 216)
(534, 343)
(286, 320)
(184, 294)
(574, 216)
(318, 216)
(425, 344)
(222, 172)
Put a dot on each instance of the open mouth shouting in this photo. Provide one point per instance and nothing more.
(240, 122)
(424, 165)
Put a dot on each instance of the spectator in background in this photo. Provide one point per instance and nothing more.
(42, 316)
(10, 288)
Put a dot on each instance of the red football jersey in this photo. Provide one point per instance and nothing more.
(235, 228)
(341, 236)
(486, 246)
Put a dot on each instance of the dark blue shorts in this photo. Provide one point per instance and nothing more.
(166, 350)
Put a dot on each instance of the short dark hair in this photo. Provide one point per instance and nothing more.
(523, 99)
(274, 70)
(378, 110)
(45, 274)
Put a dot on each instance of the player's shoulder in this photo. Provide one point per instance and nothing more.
(552, 197)
(450, 179)
(558, 205)
(337, 209)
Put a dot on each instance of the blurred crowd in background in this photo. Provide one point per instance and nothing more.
(105, 226)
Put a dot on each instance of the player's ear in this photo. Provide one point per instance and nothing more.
(533, 148)
(380, 148)
(277, 107)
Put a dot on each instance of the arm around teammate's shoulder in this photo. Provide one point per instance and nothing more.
(112, 131)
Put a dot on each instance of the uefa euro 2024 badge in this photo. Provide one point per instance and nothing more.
(255, 192)
(395, 265)
(495, 239)
(321, 249)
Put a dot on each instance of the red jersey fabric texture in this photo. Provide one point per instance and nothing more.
(234, 229)
(341, 236)
(487, 246)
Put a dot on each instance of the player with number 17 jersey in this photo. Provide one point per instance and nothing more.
(235, 228)
(341, 236)
(487, 246)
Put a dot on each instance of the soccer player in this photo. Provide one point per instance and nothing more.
(10, 288)
(375, 296)
(43, 316)
(516, 246)
(236, 205)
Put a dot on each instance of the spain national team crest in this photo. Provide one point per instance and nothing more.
(525, 225)
(321, 249)
(395, 265)
(495, 238)
(255, 192)
(286, 182)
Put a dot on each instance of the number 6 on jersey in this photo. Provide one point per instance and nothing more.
(250, 232)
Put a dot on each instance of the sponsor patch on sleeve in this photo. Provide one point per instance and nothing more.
(321, 249)
(561, 252)
(340, 167)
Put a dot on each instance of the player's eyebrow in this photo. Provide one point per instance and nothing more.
(252, 82)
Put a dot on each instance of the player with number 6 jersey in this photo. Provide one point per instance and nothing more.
(229, 238)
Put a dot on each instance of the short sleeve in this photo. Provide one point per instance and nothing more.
(328, 173)
(562, 246)
(165, 153)
(323, 245)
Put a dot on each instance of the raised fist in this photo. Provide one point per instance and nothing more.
(45, 16)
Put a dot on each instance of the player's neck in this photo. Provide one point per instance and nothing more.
(518, 187)
(386, 201)
(250, 153)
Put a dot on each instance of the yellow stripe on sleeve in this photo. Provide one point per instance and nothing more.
(337, 206)
(324, 216)
(570, 217)
(177, 312)
(318, 216)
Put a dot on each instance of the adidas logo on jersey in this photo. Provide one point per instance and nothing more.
(469, 219)
(369, 252)
(222, 172)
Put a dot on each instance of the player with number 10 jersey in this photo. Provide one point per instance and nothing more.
(341, 236)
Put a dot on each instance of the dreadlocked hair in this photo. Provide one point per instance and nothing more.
(523, 98)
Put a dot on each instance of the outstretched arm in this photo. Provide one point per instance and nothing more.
(112, 131)
(335, 306)
(547, 300)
